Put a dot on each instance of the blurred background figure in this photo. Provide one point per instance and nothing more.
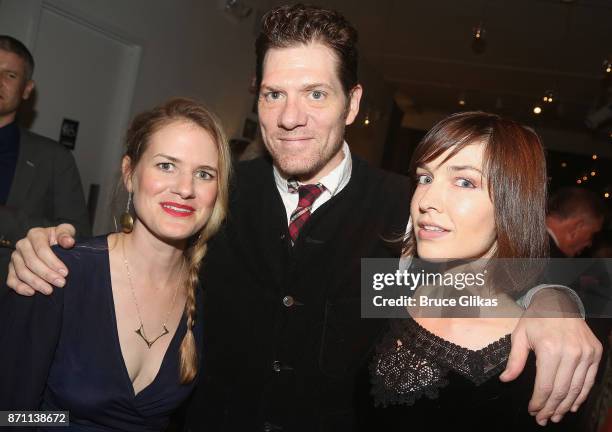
(575, 215)
(39, 180)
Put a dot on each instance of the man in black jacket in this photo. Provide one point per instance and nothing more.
(574, 216)
(39, 180)
(284, 339)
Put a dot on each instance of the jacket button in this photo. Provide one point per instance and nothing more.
(276, 366)
(288, 301)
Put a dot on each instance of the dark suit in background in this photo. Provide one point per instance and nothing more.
(46, 191)
(555, 252)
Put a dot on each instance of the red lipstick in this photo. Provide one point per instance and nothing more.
(176, 209)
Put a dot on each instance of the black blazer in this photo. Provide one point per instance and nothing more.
(46, 191)
(284, 339)
(555, 252)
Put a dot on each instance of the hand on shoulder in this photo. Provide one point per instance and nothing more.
(34, 266)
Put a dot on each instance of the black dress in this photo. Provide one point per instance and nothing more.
(62, 352)
(429, 383)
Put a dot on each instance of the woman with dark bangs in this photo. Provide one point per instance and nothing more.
(480, 193)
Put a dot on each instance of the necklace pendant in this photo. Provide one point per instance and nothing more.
(141, 332)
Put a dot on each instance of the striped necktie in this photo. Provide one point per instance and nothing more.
(307, 195)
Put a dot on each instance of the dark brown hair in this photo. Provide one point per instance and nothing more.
(10, 44)
(288, 26)
(574, 201)
(138, 135)
(514, 166)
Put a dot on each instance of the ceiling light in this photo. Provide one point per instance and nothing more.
(461, 100)
(548, 96)
(478, 32)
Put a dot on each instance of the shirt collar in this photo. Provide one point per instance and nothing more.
(552, 234)
(9, 136)
(9, 127)
(333, 182)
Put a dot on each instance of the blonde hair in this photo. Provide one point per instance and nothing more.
(140, 131)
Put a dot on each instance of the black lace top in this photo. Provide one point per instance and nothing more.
(428, 381)
(419, 366)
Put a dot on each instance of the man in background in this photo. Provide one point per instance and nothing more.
(39, 180)
(575, 215)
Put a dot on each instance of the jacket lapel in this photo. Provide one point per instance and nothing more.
(25, 171)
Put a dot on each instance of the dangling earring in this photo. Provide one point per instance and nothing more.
(126, 220)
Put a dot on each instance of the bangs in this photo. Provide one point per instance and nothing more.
(436, 146)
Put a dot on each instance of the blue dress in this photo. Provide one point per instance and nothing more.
(62, 352)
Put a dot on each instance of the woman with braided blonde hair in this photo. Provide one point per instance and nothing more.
(119, 346)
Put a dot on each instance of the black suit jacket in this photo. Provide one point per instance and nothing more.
(555, 252)
(46, 191)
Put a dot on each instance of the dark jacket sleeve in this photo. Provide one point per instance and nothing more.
(29, 334)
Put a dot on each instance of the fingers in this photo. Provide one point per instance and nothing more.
(569, 360)
(13, 282)
(38, 256)
(590, 376)
(30, 267)
(519, 352)
(64, 234)
(27, 277)
(34, 266)
(574, 388)
(577, 360)
(548, 358)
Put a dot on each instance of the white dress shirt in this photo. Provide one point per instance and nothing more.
(334, 182)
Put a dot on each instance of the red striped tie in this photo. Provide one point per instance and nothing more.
(308, 194)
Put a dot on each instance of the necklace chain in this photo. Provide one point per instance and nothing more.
(141, 331)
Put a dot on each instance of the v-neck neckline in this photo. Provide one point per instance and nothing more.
(117, 342)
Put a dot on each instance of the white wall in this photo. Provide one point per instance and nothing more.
(190, 48)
